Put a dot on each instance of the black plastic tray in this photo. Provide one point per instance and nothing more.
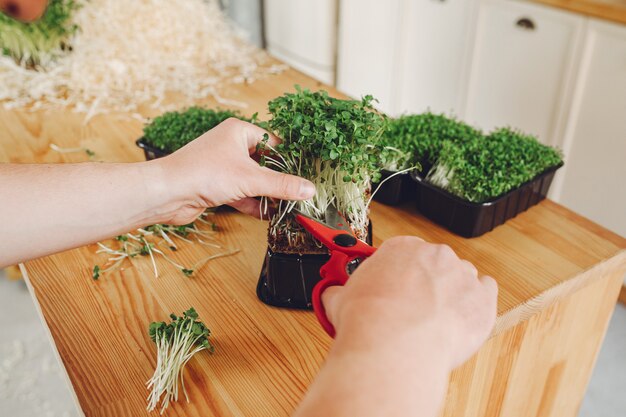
(395, 191)
(287, 280)
(469, 219)
(150, 151)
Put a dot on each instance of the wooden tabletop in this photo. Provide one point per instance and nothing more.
(265, 357)
(613, 10)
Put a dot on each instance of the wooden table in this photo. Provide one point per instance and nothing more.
(612, 10)
(559, 277)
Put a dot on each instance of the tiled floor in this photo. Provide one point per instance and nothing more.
(32, 384)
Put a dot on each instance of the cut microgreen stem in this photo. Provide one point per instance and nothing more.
(59, 149)
(387, 179)
(152, 240)
(176, 343)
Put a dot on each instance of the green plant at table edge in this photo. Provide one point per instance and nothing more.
(176, 343)
(490, 166)
(173, 130)
(334, 143)
(35, 43)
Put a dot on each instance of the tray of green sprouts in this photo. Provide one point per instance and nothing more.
(412, 144)
(336, 144)
(171, 131)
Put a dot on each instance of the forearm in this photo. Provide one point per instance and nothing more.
(49, 208)
(398, 375)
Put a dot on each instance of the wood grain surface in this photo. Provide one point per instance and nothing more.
(613, 10)
(265, 357)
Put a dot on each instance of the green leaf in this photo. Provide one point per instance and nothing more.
(96, 272)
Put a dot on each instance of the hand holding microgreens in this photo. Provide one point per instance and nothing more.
(157, 240)
(333, 143)
(176, 343)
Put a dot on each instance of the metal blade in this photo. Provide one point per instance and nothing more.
(336, 220)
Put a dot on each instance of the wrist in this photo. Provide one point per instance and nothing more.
(397, 337)
(164, 194)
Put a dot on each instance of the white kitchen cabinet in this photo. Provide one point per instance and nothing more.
(522, 67)
(369, 32)
(303, 34)
(593, 180)
(435, 49)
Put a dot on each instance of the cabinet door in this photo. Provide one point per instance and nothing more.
(367, 49)
(303, 34)
(593, 181)
(436, 48)
(521, 66)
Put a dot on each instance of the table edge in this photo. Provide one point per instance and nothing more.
(541, 301)
(51, 340)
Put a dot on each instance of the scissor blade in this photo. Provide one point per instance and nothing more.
(336, 220)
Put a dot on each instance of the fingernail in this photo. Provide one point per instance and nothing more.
(307, 189)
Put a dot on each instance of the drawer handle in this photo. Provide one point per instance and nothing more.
(526, 23)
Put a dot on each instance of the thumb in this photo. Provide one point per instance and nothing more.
(269, 183)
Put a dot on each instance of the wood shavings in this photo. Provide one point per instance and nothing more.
(129, 54)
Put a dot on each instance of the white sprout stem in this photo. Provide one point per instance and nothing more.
(172, 357)
(385, 180)
(59, 149)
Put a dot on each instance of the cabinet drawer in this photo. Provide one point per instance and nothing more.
(521, 66)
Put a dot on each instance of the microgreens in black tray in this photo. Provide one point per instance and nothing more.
(176, 343)
(417, 139)
(489, 166)
(334, 143)
(33, 43)
(175, 129)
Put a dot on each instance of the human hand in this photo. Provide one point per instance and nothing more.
(217, 168)
(416, 290)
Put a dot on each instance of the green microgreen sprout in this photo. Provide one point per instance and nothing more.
(335, 144)
(417, 139)
(36, 43)
(148, 242)
(96, 272)
(490, 166)
(173, 130)
(177, 342)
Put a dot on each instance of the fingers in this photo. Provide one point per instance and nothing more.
(489, 283)
(249, 206)
(252, 134)
(329, 300)
(266, 182)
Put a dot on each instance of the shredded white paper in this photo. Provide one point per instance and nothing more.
(132, 53)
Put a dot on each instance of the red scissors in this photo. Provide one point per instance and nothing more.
(346, 253)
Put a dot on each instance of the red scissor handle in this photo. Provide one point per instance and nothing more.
(344, 248)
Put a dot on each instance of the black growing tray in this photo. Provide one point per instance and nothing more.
(469, 219)
(395, 191)
(287, 280)
(150, 151)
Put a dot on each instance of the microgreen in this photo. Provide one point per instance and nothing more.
(148, 242)
(417, 139)
(60, 149)
(34, 43)
(176, 343)
(489, 166)
(334, 143)
(173, 130)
